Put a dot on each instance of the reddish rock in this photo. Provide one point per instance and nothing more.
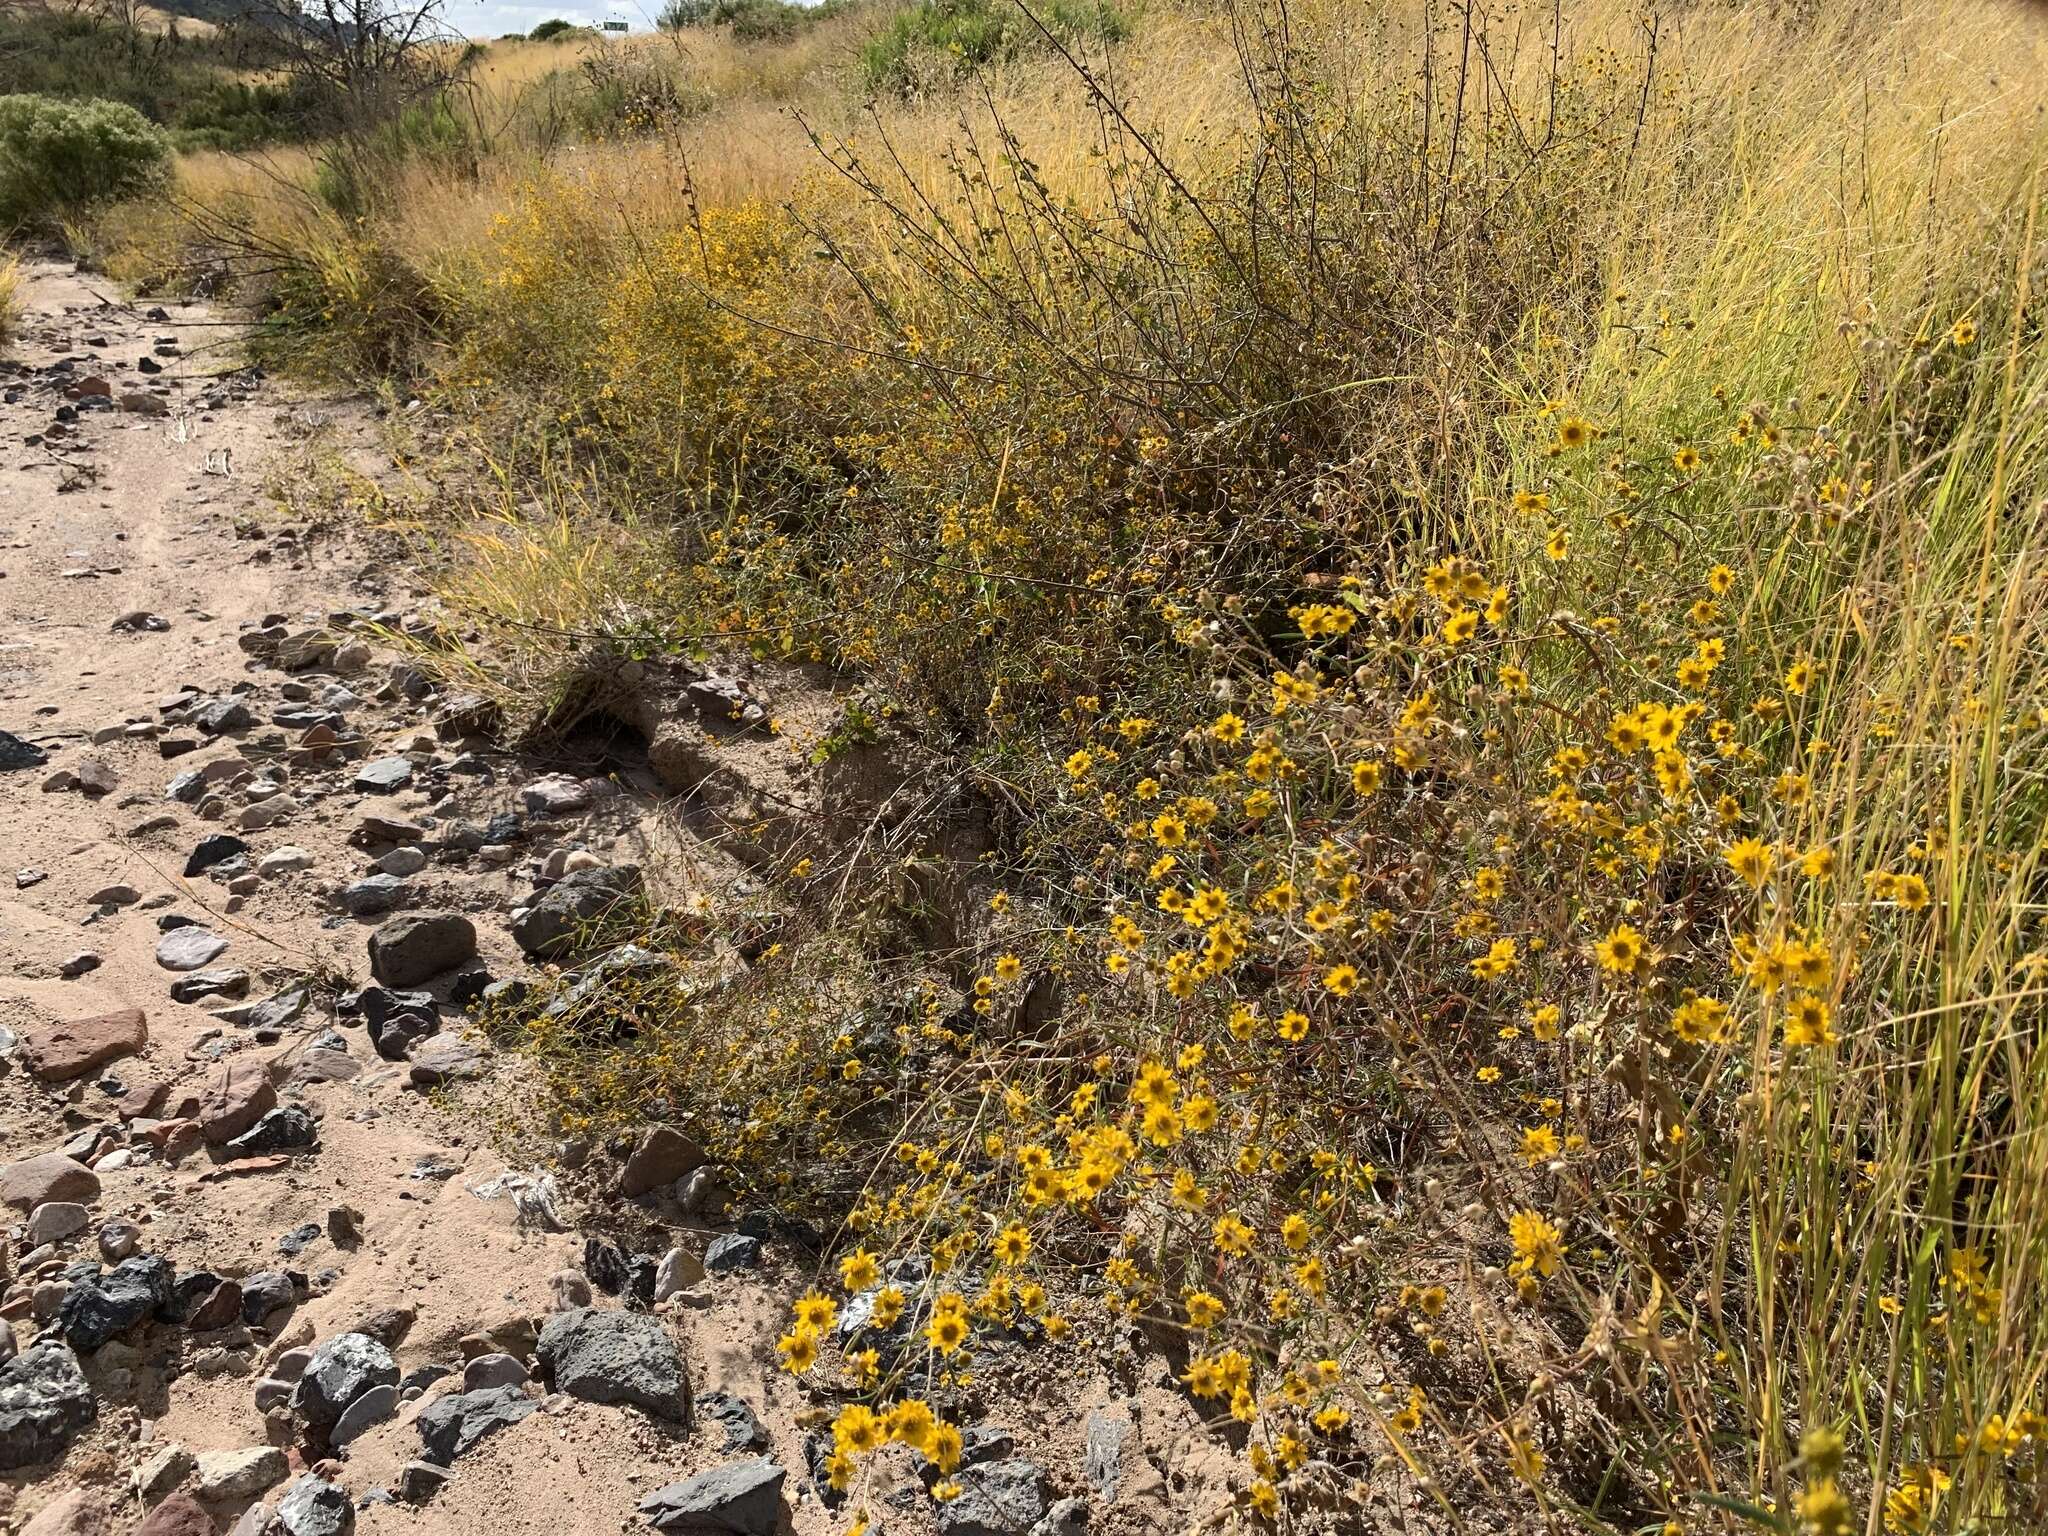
(235, 1100)
(221, 1309)
(179, 1515)
(664, 1155)
(58, 1052)
(53, 1176)
(142, 1103)
(78, 1513)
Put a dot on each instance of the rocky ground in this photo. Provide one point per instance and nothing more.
(264, 1268)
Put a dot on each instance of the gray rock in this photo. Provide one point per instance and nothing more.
(385, 776)
(493, 1371)
(997, 1498)
(451, 1425)
(402, 860)
(1102, 1459)
(409, 950)
(1067, 1517)
(396, 1019)
(744, 1431)
(373, 894)
(189, 949)
(558, 794)
(243, 1474)
(732, 1252)
(47, 1176)
(341, 1370)
(44, 1403)
(114, 896)
(78, 965)
(55, 1220)
(284, 861)
(200, 985)
(744, 1497)
(117, 1239)
(615, 1357)
(442, 1060)
(161, 1473)
(679, 1271)
(572, 913)
(265, 1292)
(313, 1506)
(267, 813)
(364, 1414)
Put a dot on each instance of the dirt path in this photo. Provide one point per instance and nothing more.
(141, 553)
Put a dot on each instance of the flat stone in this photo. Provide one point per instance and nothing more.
(162, 1472)
(451, 1425)
(200, 985)
(556, 794)
(189, 949)
(616, 1357)
(409, 950)
(373, 894)
(744, 1497)
(1104, 1438)
(680, 1269)
(221, 1307)
(342, 1370)
(243, 1474)
(49, 1176)
(442, 1060)
(997, 1498)
(268, 813)
(239, 1095)
(15, 753)
(114, 896)
(44, 1403)
(58, 1052)
(385, 776)
(284, 861)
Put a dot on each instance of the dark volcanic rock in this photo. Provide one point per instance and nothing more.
(96, 1310)
(44, 1403)
(616, 1357)
(409, 950)
(573, 912)
(743, 1497)
(342, 1370)
(451, 1425)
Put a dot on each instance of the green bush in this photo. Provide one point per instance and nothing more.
(551, 29)
(750, 20)
(966, 34)
(59, 156)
